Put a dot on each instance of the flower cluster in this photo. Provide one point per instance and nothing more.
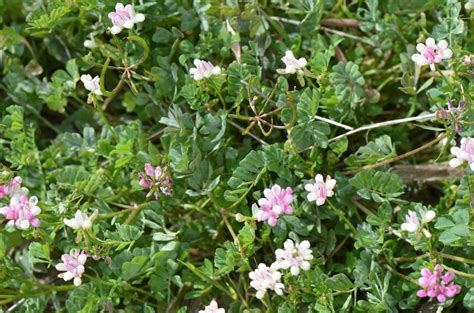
(413, 224)
(124, 17)
(295, 256)
(212, 308)
(436, 285)
(431, 53)
(464, 153)
(203, 70)
(276, 202)
(320, 190)
(266, 278)
(73, 266)
(157, 179)
(21, 212)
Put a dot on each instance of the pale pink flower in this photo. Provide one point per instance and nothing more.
(212, 308)
(124, 17)
(320, 190)
(436, 285)
(293, 65)
(92, 84)
(431, 53)
(80, 220)
(13, 188)
(464, 153)
(295, 256)
(157, 179)
(266, 278)
(21, 212)
(276, 202)
(414, 224)
(203, 70)
(73, 266)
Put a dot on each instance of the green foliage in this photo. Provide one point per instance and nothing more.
(378, 186)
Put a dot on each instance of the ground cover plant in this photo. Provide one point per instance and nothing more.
(236, 156)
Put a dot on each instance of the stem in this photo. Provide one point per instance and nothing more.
(455, 258)
(383, 124)
(263, 142)
(411, 258)
(461, 273)
(343, 217)
(399, 157)
(232, 233)
(391, 270)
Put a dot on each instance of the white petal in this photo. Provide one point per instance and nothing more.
(67, 276)
(139, 18)
(60, 267)
(455, 162)
(431, 43)
(115, 30)
(77, 281)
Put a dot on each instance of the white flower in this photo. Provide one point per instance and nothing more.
(464, 153)
(90, 43)
(124, 17)
(431, 53)
(264, 278)
(293, 65)
(212, 308)
(204, 69)
(320, 190)
(73, 265)
(469, 5)
(413, 224)
(80, 220)
(91, 84)
(294, 256)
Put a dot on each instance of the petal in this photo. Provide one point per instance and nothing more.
(68, 276)
(77, 281)
(115, 30)
(455, 162)
(420, 47)
(443, 44)
(431, 43)
(139, 18)
(446, 54)
(60, 267)
(309, 187)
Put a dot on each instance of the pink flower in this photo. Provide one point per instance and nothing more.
(12, 188)
(431, 53)
(124, 17)
(21, 212)
(157, 179)
(295, 256)
(464, 153)
(293, 65)
(276, 202)
(436, 285)
(73, 265)
(203, 69)
(320, 190)
(92, 84)
(264, 278)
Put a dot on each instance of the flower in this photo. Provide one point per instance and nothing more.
(264, 278)
(276, 202)
(80, 220)
(295, 256)
(204, 69)
(436, 285)
(73, 265)
(293, 65)
(92, 84)
(157, 179)
(90, 43)
(431, 53)
(320, 190)
(13, 188)
(469, 5)
(21, 212)
(464, 153)
(124, 17)
(212, 308)
(413, 224)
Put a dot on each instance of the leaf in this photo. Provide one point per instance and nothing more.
(348, 83)
(39, 253)
(468, 300)
(375, 151)
(339, 282)
(376, 185)
(134, 267)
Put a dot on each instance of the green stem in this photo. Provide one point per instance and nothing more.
(343, 217)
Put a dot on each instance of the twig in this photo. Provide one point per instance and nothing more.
(343, 34)
(263, 142)
(383, 124)
(361, 207)
(391, 270)
(399, 157)
(461, 273)
(455, 258)
(232, 233)
(410, 258)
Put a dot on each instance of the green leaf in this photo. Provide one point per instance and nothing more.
(378, 186)
(375, 151)
(134, 267)
(339, 282)
(39, 253)
(468, 300)
(348, 83)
